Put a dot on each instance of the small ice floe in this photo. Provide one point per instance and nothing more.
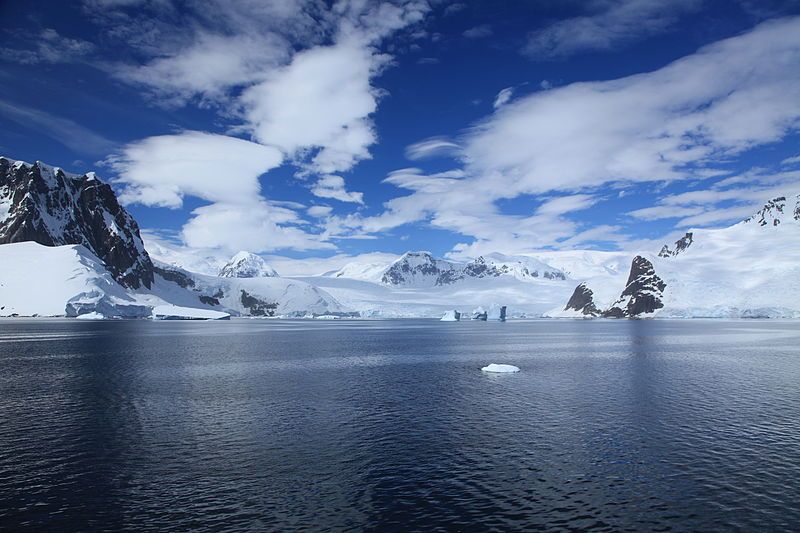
(94, 315)
(494, 367)
(451, 316)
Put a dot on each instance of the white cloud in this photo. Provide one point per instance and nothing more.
(258, 227)
(432, 147)
(791, 161)
(726, 98)
(162, 170)
(333, 187)
(503, 97)
(211, 66)
(567, 204)
(674, 123)
(319, 211)
(610, 24)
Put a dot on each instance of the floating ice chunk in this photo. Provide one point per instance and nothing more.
(494, 367)
(94, 315)
(451, 316)
(174, 312)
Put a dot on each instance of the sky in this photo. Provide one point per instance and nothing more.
(320, 132)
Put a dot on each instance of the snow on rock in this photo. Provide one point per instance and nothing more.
(44, 204)
(502, 369)
(260, 296)
(451, 316)
(642, 294)
(421, 269)
(247, 265)
(174, 312)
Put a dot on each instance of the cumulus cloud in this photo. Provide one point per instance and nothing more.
(161, 170)
(608, 25)
(323, 99)
(296, 77)
(333, 187)
(258, 226)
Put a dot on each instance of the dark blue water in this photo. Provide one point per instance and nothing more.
(390, 425)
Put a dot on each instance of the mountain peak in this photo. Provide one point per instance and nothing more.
(247, 265)
(44, 204)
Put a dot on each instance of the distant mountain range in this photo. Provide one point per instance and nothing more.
(68, 248)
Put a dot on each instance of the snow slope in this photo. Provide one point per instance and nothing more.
(69, 280)
(523, 298)
(42, 280)
(745, 270)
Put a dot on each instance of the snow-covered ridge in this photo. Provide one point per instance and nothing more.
(422, 269)
(247, 265)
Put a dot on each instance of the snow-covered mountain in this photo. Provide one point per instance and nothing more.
(247, 265)
(44, 204)
(750, 269)
(70, 280)
(421, 269)
(69, 248)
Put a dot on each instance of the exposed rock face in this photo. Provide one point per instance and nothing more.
(257, 306)
(582, 300)
(422, 269)
(642, 294)
(44, 204)
(680, 246)
(247, 265)
(779, 209)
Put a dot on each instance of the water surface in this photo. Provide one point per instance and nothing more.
(390, 425)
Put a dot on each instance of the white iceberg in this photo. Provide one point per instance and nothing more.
(94, 315)
(494, 367)
(174, 312)
(451, 316)
(497, 312)
(479, 313)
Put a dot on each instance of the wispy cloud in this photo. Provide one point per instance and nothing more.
(609, 24)
(65, 131)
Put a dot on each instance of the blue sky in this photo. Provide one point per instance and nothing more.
(353, 128)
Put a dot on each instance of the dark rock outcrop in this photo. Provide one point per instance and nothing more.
(256, 306)
(680, 246)
(582, 300)
(642, 294)
(48, 206)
